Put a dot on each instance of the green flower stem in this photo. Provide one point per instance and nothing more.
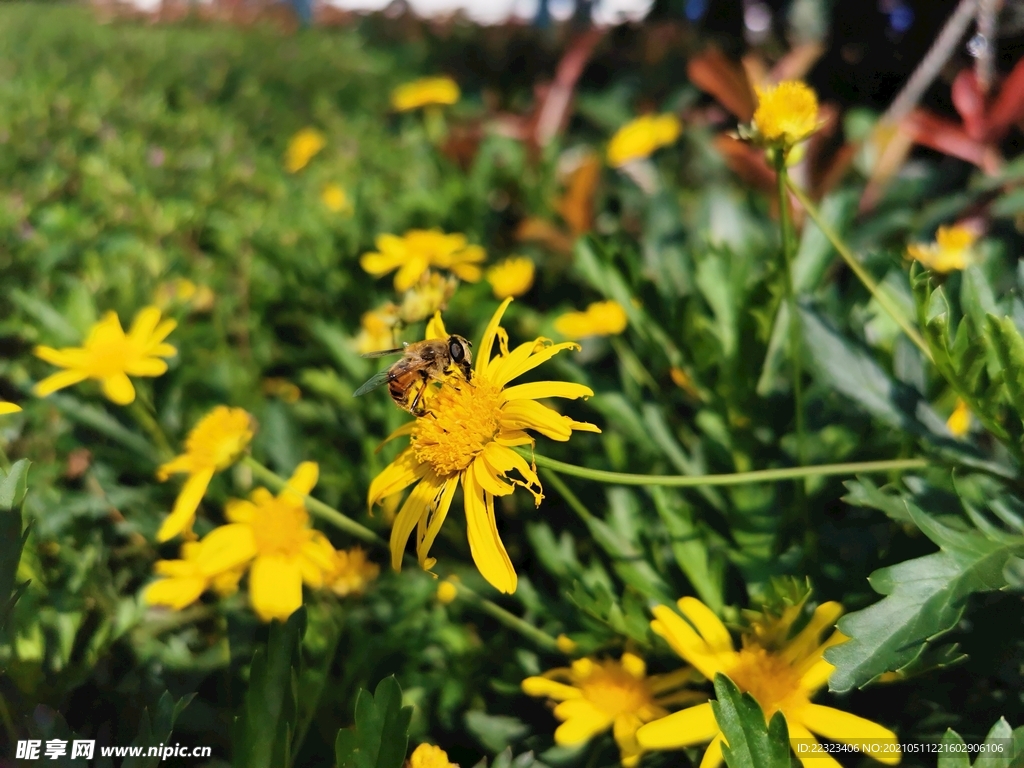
(342, 522)
(510, 620)
(5, 463)
(873, 288)
(795, 348)
(144, 417)
(275, 482)
(734, 478)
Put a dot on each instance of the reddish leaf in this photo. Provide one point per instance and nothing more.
(1008, 108)
(545, 233)
(970, 103)
(726, 80)
(746, 161)
(576, 206)
(553, 113)
(930, 130)
(797, 63)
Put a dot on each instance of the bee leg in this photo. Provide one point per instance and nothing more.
(419, 394)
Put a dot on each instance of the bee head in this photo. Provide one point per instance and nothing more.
(458, 348)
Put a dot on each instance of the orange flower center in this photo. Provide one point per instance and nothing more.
(767, 677)
(614, 691)
(280, 528)
(462, 419)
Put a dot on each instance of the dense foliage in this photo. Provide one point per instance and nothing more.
(149, 166)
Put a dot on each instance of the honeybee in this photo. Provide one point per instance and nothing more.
(421, 363)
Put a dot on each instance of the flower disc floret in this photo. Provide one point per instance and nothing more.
(465, 420)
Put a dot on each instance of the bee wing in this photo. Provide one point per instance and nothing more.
(374, 381)
(384, 352)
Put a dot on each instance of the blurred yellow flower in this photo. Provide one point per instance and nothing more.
(109, 356)
(602, 318)
(953, 249)
(352, 572)
(431, 294)
(281, 389)
(959, 422)
(185, 580)
(429, 756)
(466, 438)
(566, 644)
(781, 676)
(301, 149)
(214, 444)
(334, 197)
(377, 330)
(6, 408)
(511, 277)
(419, 249)
(786, 113)
(424, 92)
(272, 534)
(639, 138)
(597, 695)
(447, 591)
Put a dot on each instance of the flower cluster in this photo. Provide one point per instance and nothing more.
(420, 249)
(953, 249)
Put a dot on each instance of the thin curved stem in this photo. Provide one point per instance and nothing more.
(733, 478)
(510, 620)
(869, 282)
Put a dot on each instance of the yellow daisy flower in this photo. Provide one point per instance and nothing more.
(424, 92)
(597, 695)
(431, 294)
(959, 422)
(272, 534)
(639, 138)
(6, 408)
(418, 250)
(352, 572)
(953, 249)
(512, 277)
(185, 580)
(303, 146)
(335, 199)
(377, 329)
(786, 113)
(466, 438)
(781, 679)
(109, 356)
(213, 445)
(602, 318)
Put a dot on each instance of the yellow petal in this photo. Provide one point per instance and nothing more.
(437, 517)
(841, 726)
(177, 465)
(405, 470)
(624, 730)
(805, 643)
(304, 478)
(484, 543)
(410, 273)
(60, 380)
(146, 366)
(71, 357)
(176, 593)
(680, 729)
(529, 414)
(144, 324)
(802, 743)
(682, 638)
(585, 722)
(6, 408)
(541, 686)
(634, 665)
(184, 512)
(489, 478)
(707, 623)
(118, 389)
(487, 342)
(713, 756)
(239, 510)
(504, 460)
(378, 264)
(226, 548)
(414, 508)
(512, 367)
(275, 587)
(435, 328)
(539, 389)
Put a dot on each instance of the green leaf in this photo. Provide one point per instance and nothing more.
(689, 547)
(381, 732)
(1004, 748)
(495, 732)
(263, 732)
(13, 487)
(750, 741)
(925, 598)
(155, 732)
